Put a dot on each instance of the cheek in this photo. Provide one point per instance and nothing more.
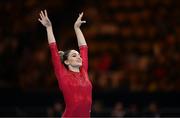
(72, 60)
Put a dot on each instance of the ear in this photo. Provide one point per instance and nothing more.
(66, 62)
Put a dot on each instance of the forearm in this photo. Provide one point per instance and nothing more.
(50, 35)
(80, 37)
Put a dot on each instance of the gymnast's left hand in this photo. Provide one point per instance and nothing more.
(78, 22)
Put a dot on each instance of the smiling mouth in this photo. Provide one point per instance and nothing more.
(79, 61)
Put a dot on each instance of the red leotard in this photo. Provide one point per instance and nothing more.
(75, 86)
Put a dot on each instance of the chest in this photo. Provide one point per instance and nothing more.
(78, 81)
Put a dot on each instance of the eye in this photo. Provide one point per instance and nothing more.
(74, 56)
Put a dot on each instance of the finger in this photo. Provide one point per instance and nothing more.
(80, 16)
(46, 13)
(39, 20)
(42, 14)
(83, 21)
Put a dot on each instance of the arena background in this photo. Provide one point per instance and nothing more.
(134, 58)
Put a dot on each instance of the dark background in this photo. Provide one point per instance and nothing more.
(134, 58)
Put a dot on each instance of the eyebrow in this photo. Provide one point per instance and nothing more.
(75, 53)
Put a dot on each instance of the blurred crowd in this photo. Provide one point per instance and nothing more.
(133, 45)
(117, 110)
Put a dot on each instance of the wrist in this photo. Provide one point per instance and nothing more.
(49, 27)
(76, 28)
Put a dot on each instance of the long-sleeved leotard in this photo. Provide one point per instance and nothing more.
(75, 86)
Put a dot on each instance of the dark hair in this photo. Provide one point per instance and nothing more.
(64, 56)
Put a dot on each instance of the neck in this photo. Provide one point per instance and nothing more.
(74, 69)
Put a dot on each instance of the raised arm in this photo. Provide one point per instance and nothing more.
(80, 37)
(47, 23)
(58, 66)
(81, 41)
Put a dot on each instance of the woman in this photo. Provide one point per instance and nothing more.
(71, 71)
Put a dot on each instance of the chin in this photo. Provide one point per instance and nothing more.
(79, 64)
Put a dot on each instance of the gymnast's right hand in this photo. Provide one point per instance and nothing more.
(44, 19)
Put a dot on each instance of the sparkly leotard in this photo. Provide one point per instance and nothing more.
(75, 86)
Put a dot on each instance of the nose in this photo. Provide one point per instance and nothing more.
(79, 57)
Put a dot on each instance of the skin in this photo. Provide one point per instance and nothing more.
(74, 60)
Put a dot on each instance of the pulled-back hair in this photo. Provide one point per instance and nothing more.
(64, 56)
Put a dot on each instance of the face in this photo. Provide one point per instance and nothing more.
(74, 59)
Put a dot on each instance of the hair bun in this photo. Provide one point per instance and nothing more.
(61, 53)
